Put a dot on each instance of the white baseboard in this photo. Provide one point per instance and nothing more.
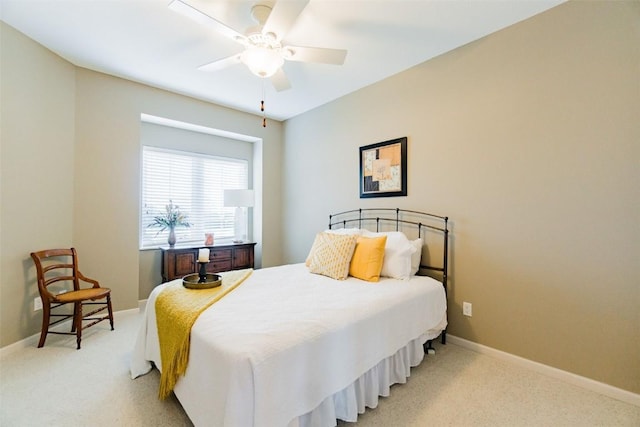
(577, 380)
(32, 341)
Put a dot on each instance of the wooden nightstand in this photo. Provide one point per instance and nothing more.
(178, 262)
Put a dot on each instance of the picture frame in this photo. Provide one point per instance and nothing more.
(383, 169)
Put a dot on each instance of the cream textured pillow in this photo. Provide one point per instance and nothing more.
(368, 255)
(331, 255)
(397, 254)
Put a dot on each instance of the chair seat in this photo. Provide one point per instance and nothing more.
(82, 294)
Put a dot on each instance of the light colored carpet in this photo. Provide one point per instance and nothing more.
(58, 385)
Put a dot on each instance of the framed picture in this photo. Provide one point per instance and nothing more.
(383, 169)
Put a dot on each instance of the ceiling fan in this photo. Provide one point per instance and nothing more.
(265, 50)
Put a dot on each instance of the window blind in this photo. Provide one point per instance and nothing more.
(195, 183)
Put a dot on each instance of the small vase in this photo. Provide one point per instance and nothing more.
(172, 237)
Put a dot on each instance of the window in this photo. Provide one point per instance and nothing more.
(195, 183)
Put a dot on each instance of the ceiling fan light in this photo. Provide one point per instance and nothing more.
(262, 61)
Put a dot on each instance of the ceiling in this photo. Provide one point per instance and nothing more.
(146, 42)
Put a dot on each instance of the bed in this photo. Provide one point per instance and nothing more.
(289, 347)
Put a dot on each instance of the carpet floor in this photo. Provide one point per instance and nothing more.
(58, 385)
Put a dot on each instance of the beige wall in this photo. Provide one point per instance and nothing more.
(529, 139)
(70, 174)
(37, 169)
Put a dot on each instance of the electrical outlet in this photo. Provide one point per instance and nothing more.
(467, 309)
(37, 304)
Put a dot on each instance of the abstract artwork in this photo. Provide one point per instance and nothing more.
(383, 169)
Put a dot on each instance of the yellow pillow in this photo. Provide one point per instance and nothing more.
(331, 254)
(366, 262)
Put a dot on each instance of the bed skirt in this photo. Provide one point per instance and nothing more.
(364, 392)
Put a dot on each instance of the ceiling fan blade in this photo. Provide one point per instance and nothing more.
(316, 54)
(204, 19)
(282, 17)
(221, 63)
(280, 81)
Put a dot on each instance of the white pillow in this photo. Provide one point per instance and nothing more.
(345, 231)
(397, 254)
(416, 257)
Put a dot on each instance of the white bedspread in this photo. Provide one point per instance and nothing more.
(280, 344)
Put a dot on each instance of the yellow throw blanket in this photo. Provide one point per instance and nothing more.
(177, 309)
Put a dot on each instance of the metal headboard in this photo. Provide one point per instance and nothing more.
(401, 218)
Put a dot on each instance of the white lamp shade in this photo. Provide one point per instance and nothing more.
(262, 61)
(238, 198)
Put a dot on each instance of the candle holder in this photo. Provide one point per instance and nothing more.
(195, 281)
(203, 271)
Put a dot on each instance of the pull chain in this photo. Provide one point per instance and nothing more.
(264, 117)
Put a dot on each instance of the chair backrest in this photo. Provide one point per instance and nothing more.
(56, 266)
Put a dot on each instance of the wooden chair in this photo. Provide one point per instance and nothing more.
(55, 269)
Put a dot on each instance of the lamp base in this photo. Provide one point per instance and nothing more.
(240, 226)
